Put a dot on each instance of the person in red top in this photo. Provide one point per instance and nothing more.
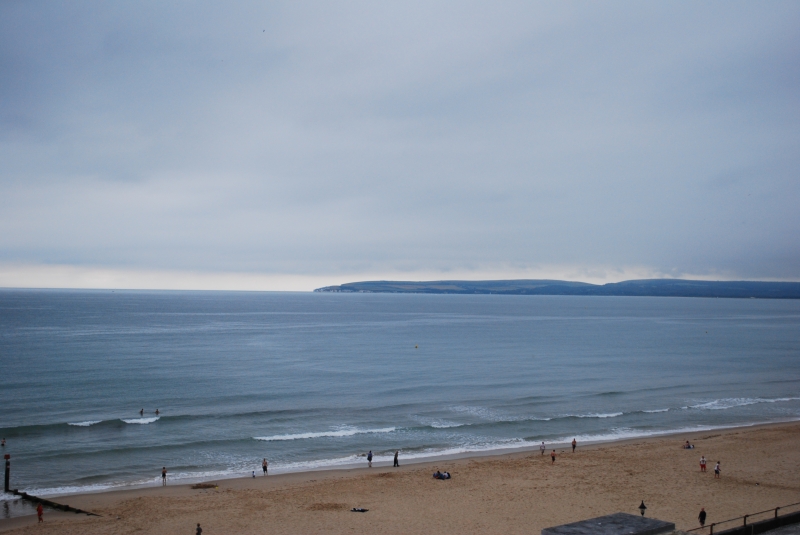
(40, 512)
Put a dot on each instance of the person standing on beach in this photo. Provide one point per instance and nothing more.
(702, 517)
(396, 454)
(541, 448)
(164, 476)
(573, 445)
(703, 463)
(40, 512)
(199, 530)
(553, 457)
(369, 458)
(264, 465)
(716, 471)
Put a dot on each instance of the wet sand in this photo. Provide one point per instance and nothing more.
(508, 494)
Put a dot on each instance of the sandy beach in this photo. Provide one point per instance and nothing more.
(507, 494)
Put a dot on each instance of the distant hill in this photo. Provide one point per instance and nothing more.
(647, 287)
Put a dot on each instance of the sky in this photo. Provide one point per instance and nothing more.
(288, 146)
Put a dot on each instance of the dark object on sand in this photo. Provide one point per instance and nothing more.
(204, 486)
(613, 525)
(359, 510)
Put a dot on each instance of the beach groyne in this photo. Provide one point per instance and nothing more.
(49, 503)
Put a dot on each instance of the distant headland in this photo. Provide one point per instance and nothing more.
(642, 288)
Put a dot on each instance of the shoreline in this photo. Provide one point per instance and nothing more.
(612, 456)
(422, 460)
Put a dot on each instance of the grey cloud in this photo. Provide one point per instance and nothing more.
(323, 138)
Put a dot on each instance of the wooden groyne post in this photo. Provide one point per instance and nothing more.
(52, 505)
(36, 499)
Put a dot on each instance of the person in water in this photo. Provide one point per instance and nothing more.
(141, 412)
(157, 413)
(369, 458)
(264, 465)
(164, 476)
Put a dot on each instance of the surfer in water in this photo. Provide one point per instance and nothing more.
(141, 412)
(156, 412)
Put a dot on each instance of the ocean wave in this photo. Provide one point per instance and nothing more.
(436, 423)
(141, 421)
(626, 433)
(656, 410)
(86, 423)
(595, 415)
(730, 403)
(485, 413)
(347, 432)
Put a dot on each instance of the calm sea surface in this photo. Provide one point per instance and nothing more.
(316, 380)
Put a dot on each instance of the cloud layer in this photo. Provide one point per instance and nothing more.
(325, 140)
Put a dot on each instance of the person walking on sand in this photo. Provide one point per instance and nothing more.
(264, 465)
(703, 463)
(369, 458)
(573, 445)
(716, 471)
(40, 512)
(163, 476)
(541, 448)
(199, 530)
(396, 454)
(553, 457)
(702, 517)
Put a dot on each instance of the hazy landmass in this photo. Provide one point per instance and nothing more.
(649, 287)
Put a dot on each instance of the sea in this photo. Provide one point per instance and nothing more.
(314, 381)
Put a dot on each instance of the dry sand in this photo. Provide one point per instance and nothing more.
(509, 494)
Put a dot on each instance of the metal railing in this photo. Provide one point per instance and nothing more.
(744, 519)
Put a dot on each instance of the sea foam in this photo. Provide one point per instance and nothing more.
(338, 433)
(142, 420)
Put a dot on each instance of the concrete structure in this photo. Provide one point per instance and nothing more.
(616, 524)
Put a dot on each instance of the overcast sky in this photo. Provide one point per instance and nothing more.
(271, 145)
